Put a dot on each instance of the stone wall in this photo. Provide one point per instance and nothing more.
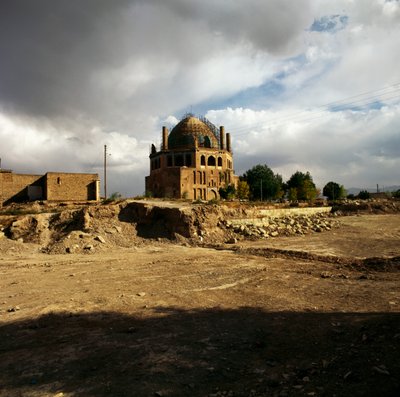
(260, 217)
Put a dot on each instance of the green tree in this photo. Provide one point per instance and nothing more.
(227, 192)
(334, 191)
(304, 185)
(263, 183)
(242, 190)
(396, 194)
(115, 196)
(292, 194)
(363, 195)
(308, 191)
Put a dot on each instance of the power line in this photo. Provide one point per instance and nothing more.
(304, 117)
(342, 104)
(297, 116)
(330, 104)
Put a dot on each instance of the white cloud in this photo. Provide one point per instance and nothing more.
(45, 148)
(350, 147)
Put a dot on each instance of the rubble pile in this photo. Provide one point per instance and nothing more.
(285, 226)
(370, 206)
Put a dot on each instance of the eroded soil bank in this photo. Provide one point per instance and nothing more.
(85, 228)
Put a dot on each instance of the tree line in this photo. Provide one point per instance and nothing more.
(261, 183)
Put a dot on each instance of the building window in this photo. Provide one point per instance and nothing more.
(211, 161)
(219, 161)
(203, 160)
(188, 160)
(179, 160)
(207, 141)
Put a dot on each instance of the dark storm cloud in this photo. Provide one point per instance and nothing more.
(49, 48)
(52, 51)
(268, 25)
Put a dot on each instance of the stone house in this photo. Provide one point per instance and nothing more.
(194, 161)
(52, 186)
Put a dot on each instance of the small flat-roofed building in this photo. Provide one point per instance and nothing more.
(52, 186)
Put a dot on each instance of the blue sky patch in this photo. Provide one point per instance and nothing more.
(258, 98)
(329, 23)
(357, 108)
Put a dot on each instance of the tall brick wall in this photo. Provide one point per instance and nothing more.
(14, 187)
(66, 186)
(164, 182)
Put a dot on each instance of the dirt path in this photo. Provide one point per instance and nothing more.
(170, 320)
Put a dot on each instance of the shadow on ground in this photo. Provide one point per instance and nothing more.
(170, 352)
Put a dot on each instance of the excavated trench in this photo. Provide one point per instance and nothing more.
(367, 264)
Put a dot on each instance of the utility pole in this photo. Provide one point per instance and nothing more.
(105, 171)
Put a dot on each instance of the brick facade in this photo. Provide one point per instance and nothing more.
(53, 186)
(68, 187)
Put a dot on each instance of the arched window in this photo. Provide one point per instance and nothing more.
(179, 160)
(203, 160)
(219, 161)
(211, 161)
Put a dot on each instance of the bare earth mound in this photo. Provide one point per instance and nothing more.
(299, 314)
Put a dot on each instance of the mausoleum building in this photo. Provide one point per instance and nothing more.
(194, 161)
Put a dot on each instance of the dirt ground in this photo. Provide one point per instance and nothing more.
(287, 316)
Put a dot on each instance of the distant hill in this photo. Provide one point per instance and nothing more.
(356, 190)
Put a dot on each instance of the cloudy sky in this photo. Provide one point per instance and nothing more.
(309, 85)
